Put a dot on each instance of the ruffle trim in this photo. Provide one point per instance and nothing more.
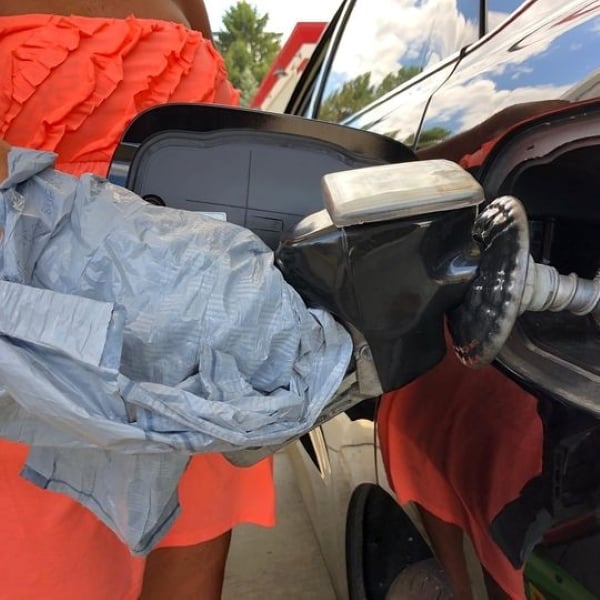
(72, 84)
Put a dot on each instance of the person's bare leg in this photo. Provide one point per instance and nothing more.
(187, 572)
(447, 542)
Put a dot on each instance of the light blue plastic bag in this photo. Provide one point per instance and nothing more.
(132, 336)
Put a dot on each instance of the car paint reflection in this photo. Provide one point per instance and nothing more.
(406, 37)
(550, 57)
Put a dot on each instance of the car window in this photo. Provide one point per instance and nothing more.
(383, 48)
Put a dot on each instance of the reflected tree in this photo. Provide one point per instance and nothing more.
(357, 93)
(428, 137)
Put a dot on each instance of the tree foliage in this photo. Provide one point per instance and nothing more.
(248, 50)
(433, 135)
(428, 137)
(356, 93)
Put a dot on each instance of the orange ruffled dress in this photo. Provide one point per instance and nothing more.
(462, 444)
(71, 85)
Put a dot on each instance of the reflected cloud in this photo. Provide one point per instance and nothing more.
(496, 18)
(532, 36)
(466, 106)
(524, 62)
(463, 108)
(550, 52)
(401, 33)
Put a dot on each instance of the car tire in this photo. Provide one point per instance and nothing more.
(425, 580)
(381, 541)
(355, 542)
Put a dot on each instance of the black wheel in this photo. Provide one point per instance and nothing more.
(424, 580)
(381, 541)
(355, 542)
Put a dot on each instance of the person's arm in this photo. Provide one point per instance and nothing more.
(4, 150)
(195, 12)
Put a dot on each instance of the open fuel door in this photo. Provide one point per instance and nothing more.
(259, 170)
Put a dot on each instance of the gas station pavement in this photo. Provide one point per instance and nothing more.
(280, 563)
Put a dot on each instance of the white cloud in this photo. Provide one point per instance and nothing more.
(282, 15)
(472, 96)
(475, 101)
(380, 41)
(401, 32)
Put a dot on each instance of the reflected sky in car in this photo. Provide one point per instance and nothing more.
(401, 39)
(547, 58)
(546, 53)
(399, 33)
(398, 116)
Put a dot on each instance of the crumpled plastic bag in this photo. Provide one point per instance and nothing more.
(133, 336)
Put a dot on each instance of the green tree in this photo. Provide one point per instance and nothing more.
(356, 93)
(393, 80)
(433, 135)
(248, 50)
(353, 95)
(428, 137)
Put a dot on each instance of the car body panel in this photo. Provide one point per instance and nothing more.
(345, 451)
(544, 52)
